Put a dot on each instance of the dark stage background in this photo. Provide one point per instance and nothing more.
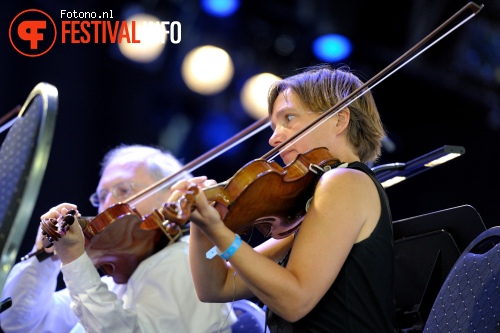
(448, 96)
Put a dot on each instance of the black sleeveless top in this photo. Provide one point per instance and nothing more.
(361, 299)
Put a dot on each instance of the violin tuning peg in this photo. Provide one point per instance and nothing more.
(172, 228)
(47, 242)
(69, 219)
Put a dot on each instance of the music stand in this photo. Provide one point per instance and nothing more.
(426, 248)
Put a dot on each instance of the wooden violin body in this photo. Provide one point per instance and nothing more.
(261, 194)
(114, 240)
(123, 246)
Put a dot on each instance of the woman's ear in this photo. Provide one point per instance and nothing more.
(343, 117)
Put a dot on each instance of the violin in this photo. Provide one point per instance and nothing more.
(116, 252)
(281, 192)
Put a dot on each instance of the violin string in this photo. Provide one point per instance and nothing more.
(368, 88)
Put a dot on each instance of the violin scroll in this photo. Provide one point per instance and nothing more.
(114, 240)
(172, 215)
(53, 229)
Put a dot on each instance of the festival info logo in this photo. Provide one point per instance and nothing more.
(32, 33)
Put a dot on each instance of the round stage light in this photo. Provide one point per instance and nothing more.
(152, 36)
(207, 70)
(253, 95)
(332, 47)
(221, 8)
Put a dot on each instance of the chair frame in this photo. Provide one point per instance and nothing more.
(18, 225)
(247, 306)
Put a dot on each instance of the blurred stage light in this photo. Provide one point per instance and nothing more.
(253, 95)
(207, 70)
(176, 132)
(332, 48)
(284, 45)
(152, 36)
(216, 128)
(220, 8)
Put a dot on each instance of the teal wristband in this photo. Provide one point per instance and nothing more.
(228, 253)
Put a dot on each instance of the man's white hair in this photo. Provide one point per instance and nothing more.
(160, 163)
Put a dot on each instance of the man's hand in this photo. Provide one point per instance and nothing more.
(71, 244)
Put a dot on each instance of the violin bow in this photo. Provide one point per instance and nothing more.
(241, 136)
(260, 124)
(374, 81)
(9, 114)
